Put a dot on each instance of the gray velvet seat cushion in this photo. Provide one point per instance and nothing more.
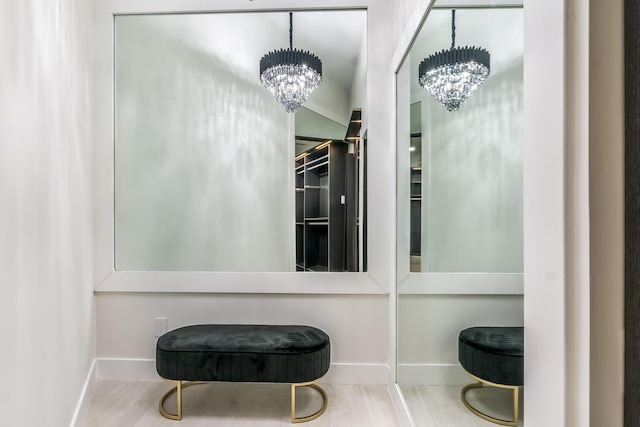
(244, 353)
(493, 353)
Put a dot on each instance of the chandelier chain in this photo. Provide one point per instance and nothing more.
(291, 30)
(453, 28)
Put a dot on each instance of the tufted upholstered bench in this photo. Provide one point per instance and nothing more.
(299, 355)
(494, 356)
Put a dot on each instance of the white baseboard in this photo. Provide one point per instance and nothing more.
(339, 373)
(82, 407)
(432, 374)
(400, 406)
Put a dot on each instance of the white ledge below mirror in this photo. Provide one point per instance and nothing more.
(231, 282)
(462, 284)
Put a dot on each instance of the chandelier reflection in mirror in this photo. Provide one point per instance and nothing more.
(451, 75)
(290, 74)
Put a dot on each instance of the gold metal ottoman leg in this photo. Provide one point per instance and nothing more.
(325, 401)
(179, 385)
(480, 384)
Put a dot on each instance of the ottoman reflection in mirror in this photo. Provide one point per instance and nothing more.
(493, 356)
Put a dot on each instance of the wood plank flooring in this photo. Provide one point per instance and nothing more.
(135, 404)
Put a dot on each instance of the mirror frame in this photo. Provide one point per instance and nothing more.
(439, 283)
(553, 300)
(107, 279)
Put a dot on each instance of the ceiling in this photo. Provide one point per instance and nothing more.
(239, 40)
(334, 36)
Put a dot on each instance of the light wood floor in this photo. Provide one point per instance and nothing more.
(135, 403)
(440, 406)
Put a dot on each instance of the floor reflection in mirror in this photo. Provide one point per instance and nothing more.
(440, 406)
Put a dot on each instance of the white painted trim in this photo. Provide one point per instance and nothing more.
(393, 335)
(145, 370)
(432, 374)
(229, 282)
(462, 284)
(400, 405)
(82, 407)
(124, 7)
(579, 274)
(544, 178)
(411, 28)
(477, 3)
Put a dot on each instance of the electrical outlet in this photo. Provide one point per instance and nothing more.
(160, 325)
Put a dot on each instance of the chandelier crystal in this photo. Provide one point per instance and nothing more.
(453, 74)
(290, 74)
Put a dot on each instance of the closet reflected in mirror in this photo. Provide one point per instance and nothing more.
(211, 172)
(459, 210)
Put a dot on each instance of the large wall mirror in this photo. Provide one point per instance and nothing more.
(203, 182)
(460, 210)
(210, 172)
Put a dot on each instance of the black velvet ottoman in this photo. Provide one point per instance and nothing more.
(494, 356)
(294, 354)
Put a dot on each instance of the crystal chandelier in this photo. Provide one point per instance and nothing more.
(451, 75)
(290, 74)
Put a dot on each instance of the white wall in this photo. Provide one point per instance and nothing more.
(403, 17)
(606, 176)
(46, 297)
(357, 318)
(358, 96)
(578, 271)
(356, 324)
(203, 153)
(428, 328)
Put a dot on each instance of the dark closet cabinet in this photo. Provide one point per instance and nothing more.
(321, 207)
(416, 212)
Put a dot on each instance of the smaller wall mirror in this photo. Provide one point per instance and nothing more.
(466, 165)
(460, 213)
(211, 172)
